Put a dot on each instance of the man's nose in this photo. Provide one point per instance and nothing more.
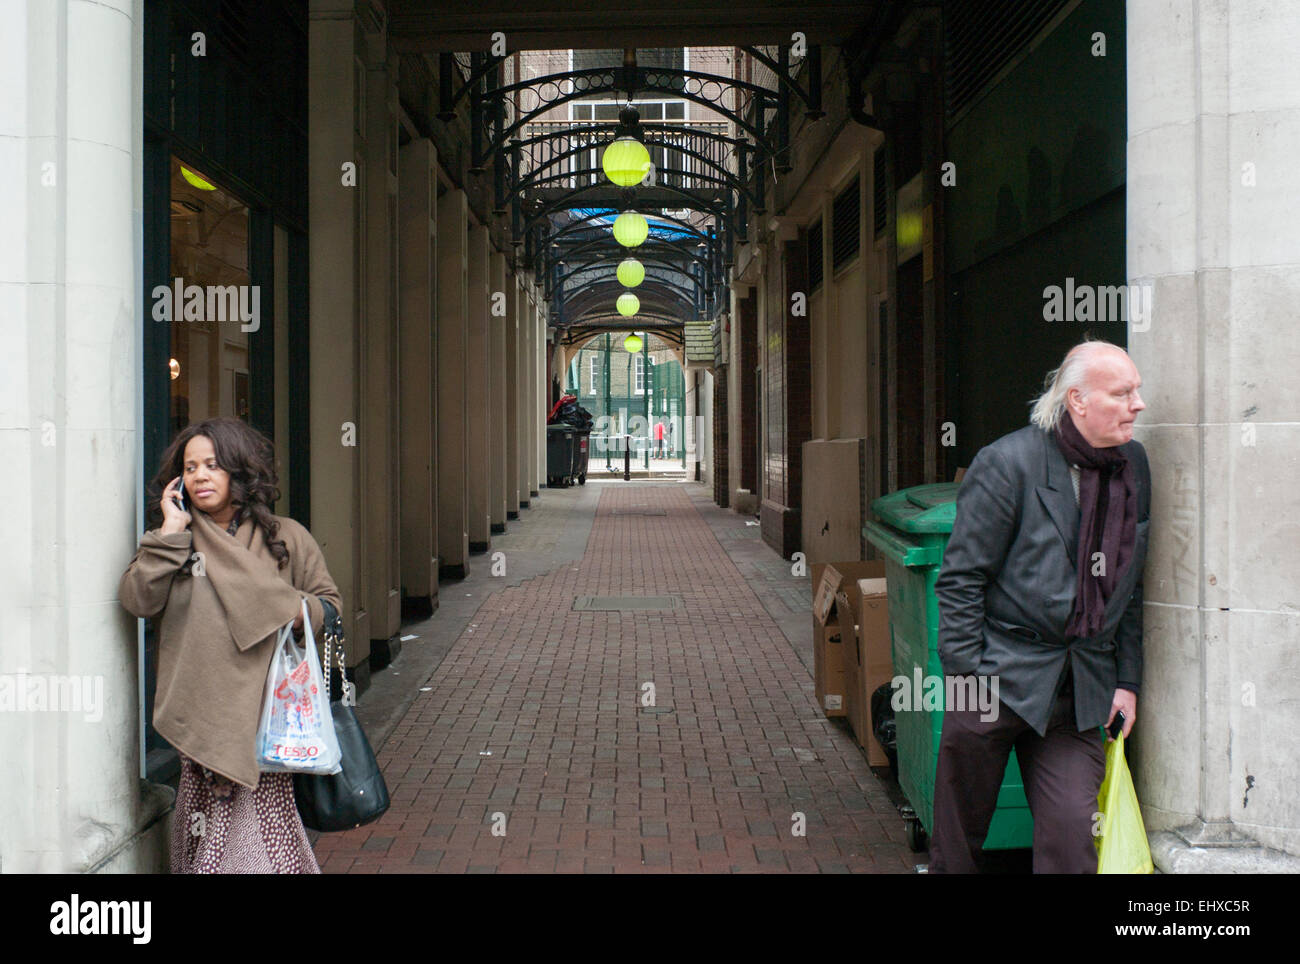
(1137, 404)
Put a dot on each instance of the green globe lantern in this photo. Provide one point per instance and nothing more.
(628, 304)
(631, 272)
(633, 343)
(630, 229)
(626, 161)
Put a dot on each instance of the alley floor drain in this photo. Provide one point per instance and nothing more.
(626, 604)
(640, 512)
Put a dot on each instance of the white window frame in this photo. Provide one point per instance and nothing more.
(595, 360)
(638, 375)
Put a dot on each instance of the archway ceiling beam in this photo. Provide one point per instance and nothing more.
(585, 333)
(707, 90)
(428, 26)
(607, 290)
(602, 301)
(709, 200)
(606, 271)
(593, 222)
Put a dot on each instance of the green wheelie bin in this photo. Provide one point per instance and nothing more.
(911, 530)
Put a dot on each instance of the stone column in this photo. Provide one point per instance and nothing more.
(500, 308)
(70, 433)
(527, 443)
(1214, 130)
(417, 241)
(537, 402)
(452, 345)
(337, 493)
(479, 386)
(379, 448)
(515, 311)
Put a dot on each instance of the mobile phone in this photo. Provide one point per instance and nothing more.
(1117, 726)
(180, 496)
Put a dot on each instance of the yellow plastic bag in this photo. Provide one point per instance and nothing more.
(1122, 844)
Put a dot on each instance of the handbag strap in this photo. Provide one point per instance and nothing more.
(334, 638)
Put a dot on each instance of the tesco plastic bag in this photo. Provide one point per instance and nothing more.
(296, 732)
(1122, 846)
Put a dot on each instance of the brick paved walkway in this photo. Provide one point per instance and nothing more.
(534, 720)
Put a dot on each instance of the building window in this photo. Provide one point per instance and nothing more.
(640, 375)
(595, 364)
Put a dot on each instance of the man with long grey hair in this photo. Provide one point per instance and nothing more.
(1041, 587)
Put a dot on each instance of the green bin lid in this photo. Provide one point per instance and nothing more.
(920, 509)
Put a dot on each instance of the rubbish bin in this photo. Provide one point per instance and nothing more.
(911, 532)
(581, 454)
(559, 455)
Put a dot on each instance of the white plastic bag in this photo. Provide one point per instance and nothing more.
(296, 733)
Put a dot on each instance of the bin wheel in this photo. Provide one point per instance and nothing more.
(582, 479)
(917, 840)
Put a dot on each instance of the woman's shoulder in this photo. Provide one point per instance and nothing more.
(292, 531)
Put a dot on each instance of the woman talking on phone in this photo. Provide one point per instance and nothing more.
(221, 575)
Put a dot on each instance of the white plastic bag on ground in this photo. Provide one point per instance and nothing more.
(296, 733)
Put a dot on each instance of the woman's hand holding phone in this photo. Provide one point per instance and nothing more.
(175, 518)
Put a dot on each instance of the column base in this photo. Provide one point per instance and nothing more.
(1202, 848)
(416, 608)
(497, 528)
(780, 527)
(479, 547)
(512, 516)
(523, 504)
(534, 493)
(457, 570)
(145, 850)
(384, 651)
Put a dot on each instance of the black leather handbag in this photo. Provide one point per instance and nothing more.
(357, 794)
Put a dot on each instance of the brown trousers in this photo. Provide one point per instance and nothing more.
(1062, 772)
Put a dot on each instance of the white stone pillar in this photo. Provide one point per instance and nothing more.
(1214, 130)
(479, 387)
(70, 435)
(500, 309)
(417, 240)
(452, 342)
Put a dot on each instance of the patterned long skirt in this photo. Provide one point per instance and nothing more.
(224, 828)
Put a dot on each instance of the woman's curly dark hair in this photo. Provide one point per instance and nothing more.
(248, 456)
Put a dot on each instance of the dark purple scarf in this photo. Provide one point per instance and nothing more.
(1108, 523)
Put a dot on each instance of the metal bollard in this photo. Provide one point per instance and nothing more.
(627, 458)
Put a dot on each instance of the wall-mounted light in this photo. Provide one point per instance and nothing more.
(197, 181)
(175, 368)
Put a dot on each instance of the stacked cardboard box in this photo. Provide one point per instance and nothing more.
(851, 645)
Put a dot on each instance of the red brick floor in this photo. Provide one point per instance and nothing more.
(534, 720)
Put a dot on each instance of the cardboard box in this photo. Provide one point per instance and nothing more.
(874, 658)
(835, 595)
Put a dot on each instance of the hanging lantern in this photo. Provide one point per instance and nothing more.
(626, 161)
(630, 229)
(633, 343)
(628, 304)
(631, 272)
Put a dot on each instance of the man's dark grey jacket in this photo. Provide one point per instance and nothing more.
(1007, 586)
